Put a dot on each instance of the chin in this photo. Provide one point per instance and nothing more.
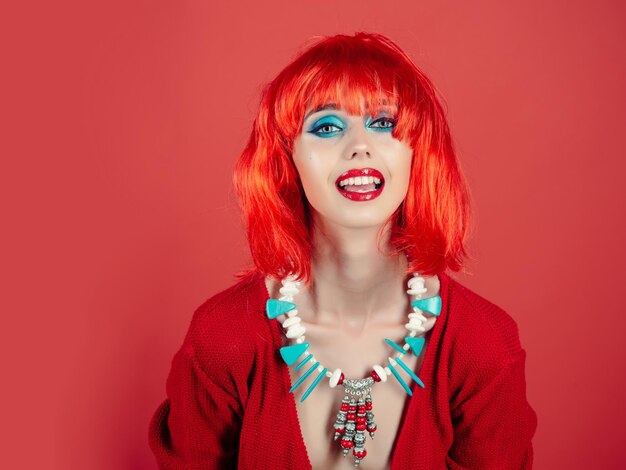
(353, 222)
(355, 217)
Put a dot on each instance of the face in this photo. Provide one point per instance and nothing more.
(353, 171)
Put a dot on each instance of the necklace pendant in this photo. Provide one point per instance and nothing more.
(355, 417)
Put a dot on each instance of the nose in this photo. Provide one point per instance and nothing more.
(360, 150)
(358, 145)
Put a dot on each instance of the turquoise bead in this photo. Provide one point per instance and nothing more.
(313, 385)
(410, 372)
(416, 344)
(304, 361)
(431, 305)
(395, 346)
(401, 380)
(274, 307)
(303, 378)
(291, 353)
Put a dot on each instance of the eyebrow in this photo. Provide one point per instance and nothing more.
(321, 108)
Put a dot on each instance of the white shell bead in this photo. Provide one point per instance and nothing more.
(406, 346)
(329, 374)
(289, 290)
(320, 368)
(295, 331)
(388, 370)
(382, 373)
(416, 280)
(300, 340)
(292, 313)
(417, 291)
(415, 327)
(334, 378)
(290, 279)
(289, 322)
(417, 316)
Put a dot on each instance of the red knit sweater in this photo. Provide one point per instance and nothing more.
(229, 404)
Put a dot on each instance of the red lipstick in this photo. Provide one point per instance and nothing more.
(360, 195)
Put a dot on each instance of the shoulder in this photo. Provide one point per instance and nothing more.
(225, 326)
(479, 333)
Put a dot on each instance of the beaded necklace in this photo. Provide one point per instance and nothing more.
(356, 413)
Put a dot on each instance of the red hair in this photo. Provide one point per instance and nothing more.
(429, 227)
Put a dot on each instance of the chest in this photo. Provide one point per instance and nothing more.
(317, 414)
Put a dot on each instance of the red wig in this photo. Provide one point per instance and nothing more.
(429, 227)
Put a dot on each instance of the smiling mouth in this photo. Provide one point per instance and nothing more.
(363, 184)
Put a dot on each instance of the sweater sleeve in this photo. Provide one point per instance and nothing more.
(494, 424)
(197, 426)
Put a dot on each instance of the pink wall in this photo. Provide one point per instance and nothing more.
(122, 123)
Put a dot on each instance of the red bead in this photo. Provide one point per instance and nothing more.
(351, 416)
(375, 376)
(340, 381)
(339, 430)
(361, 409)
(368, 405)
(372, 429)
(352, 407)
(344, 407)
(361, 454)
(361, 427)
(346, 444)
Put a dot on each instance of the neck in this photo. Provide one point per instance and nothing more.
(353, 283)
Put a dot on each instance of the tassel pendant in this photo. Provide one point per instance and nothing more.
(355, 418)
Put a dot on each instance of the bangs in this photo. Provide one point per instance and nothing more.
(355, 92)
(359, 80)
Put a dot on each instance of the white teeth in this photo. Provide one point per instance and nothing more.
(359, 180)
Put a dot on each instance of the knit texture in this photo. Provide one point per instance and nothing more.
(228, 403)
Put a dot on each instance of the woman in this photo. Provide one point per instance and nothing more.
(348, 327)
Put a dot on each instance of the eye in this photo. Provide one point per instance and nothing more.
(327, 129)
(327, 126)
(382, 124)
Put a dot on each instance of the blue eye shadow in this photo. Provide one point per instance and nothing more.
(371, 120)
(330, 120)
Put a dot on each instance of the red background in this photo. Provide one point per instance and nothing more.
(121, 124)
